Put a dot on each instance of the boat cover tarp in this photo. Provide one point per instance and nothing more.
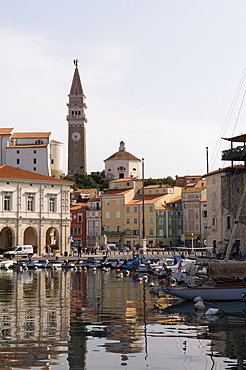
(227, 269)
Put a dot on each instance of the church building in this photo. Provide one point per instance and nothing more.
(122, 164)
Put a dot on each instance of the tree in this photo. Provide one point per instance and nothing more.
(83, 181)
(166, 180)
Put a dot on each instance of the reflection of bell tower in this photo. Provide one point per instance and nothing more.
(76, 126)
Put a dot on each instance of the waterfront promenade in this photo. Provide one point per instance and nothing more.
(151, 254)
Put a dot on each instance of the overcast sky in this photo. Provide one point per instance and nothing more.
(161, 75)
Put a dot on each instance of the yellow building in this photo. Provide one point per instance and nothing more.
(154, 197)
(113, 203)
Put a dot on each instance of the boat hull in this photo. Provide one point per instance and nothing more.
(209, 293)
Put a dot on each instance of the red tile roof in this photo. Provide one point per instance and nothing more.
(10, 172)
(6, 131)
(122, 155)
(31, 135)
(28, 146)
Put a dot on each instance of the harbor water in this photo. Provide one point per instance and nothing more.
(65, 319)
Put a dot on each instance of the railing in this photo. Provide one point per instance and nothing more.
(239, 151)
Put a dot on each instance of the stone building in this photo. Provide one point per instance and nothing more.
(34, 209)
(77, 162)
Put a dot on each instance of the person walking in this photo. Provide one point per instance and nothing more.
(79, 250)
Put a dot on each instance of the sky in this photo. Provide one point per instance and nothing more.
(165, 76)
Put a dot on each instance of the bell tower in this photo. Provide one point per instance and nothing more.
(77, 162)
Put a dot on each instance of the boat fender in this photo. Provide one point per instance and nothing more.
(197, 299)
(190, 281)
(199, 306)
(212, 311)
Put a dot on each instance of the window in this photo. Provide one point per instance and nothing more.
(52, 161)
(135, 232)
(135, 209)
(18, 161)
(117, 214)
(204, 214)
(184, 205)
(107, 214)
(151, 220)
(39, 142)
(197, 227)
(213, 221)
(151, 208)
(228, 222)
(34, 169)
(107, 202)
(79, 217)
(34, 151)
(151, 232)
(160, 221)
(79, 230)
(7, 199)
(17, 152)
(30, 203)
(34, 160)
(117, 202)
(52, 204)
(161, 232)
(121, 168)
(135, 220)
(127, 209)
(75, 231)
(127, 220)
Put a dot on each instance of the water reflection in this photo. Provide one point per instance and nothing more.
(88, 320)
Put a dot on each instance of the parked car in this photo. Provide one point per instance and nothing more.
(112, 247)
(20, 251)
(123, 248)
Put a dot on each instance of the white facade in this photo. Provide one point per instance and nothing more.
(122, 164)
(34, 209)
(34, 152)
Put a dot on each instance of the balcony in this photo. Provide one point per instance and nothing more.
(114, 233)
(234, 154)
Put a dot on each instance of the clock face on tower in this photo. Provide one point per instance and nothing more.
(76, 136)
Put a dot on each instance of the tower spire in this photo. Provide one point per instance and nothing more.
(76, 118)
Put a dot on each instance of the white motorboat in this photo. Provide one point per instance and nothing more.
(213, 292)
(225, 281)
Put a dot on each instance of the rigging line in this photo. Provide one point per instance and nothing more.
(228, 117)
(239, 113)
